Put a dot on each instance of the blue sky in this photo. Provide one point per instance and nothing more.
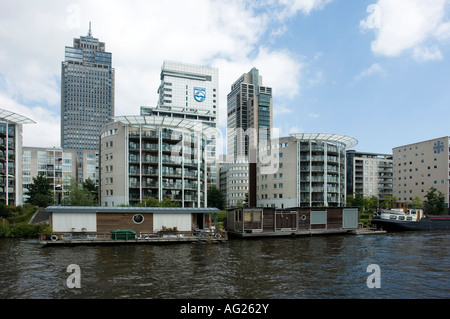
(374, 70)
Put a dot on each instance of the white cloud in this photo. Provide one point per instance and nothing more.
(291, 7)
(404, 25)
(374, 69)
(46, 131)
(423, 54)
(443, 31)
(294, 130)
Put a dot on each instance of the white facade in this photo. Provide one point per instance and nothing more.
(152, 156)
(192, 92)
(11, 156)
(189, 86)
(74, 222)
(303, 170)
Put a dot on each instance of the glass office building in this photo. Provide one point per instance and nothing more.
(87, 94)
(249, 105)
(190, 91)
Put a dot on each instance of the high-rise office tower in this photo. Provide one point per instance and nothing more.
(87, 94)
(249, 105)
(189, 86)
(249, 109)
(190, 91)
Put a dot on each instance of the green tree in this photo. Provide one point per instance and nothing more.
(356, 201)
(388, 201)
(434, 203)
(4, 211)
(40, 192)
(153, 202)
(366, 206)
(90, 186)
(215, 198)
(78, 196)
(417, 202)
(370, 204)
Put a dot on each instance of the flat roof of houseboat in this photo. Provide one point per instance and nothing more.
(131, 210)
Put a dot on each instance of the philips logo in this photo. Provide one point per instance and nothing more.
(199, 94)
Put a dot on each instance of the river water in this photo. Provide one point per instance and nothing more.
(411, 265)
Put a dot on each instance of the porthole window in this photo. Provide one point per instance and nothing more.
(138, 218)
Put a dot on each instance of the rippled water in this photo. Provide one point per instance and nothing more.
(413, 265)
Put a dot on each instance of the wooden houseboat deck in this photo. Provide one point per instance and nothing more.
(154, 238)
(311, 232)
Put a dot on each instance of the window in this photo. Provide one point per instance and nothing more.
(138, 218)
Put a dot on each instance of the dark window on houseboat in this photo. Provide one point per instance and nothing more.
(138, 218)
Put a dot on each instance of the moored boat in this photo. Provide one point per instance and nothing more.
(413, 219)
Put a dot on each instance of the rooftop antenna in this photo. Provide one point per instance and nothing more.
(90, 32)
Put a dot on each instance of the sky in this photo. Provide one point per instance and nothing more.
(375, 70)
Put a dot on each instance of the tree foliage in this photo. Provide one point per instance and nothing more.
(4, 211)
(90, 186)
(153, 202)
(434, 203)
(388, 201)
(78, 196)
(40, 192)
(366, 206)
(417, 202)
(215, 198)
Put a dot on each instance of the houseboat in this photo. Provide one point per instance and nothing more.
(414, 219)
(80, 225)
(267, 222)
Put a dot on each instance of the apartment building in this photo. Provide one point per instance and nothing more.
(420, 166)
(303, 170)
(161, 157)
(11, 128)
(369, 174)
(59, 166)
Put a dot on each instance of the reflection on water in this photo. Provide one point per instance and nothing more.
(413, 265)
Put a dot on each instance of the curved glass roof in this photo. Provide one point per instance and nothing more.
(169, 122)
(15, 118)
(348, 141)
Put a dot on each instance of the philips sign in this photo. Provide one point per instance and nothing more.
(199, 94)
